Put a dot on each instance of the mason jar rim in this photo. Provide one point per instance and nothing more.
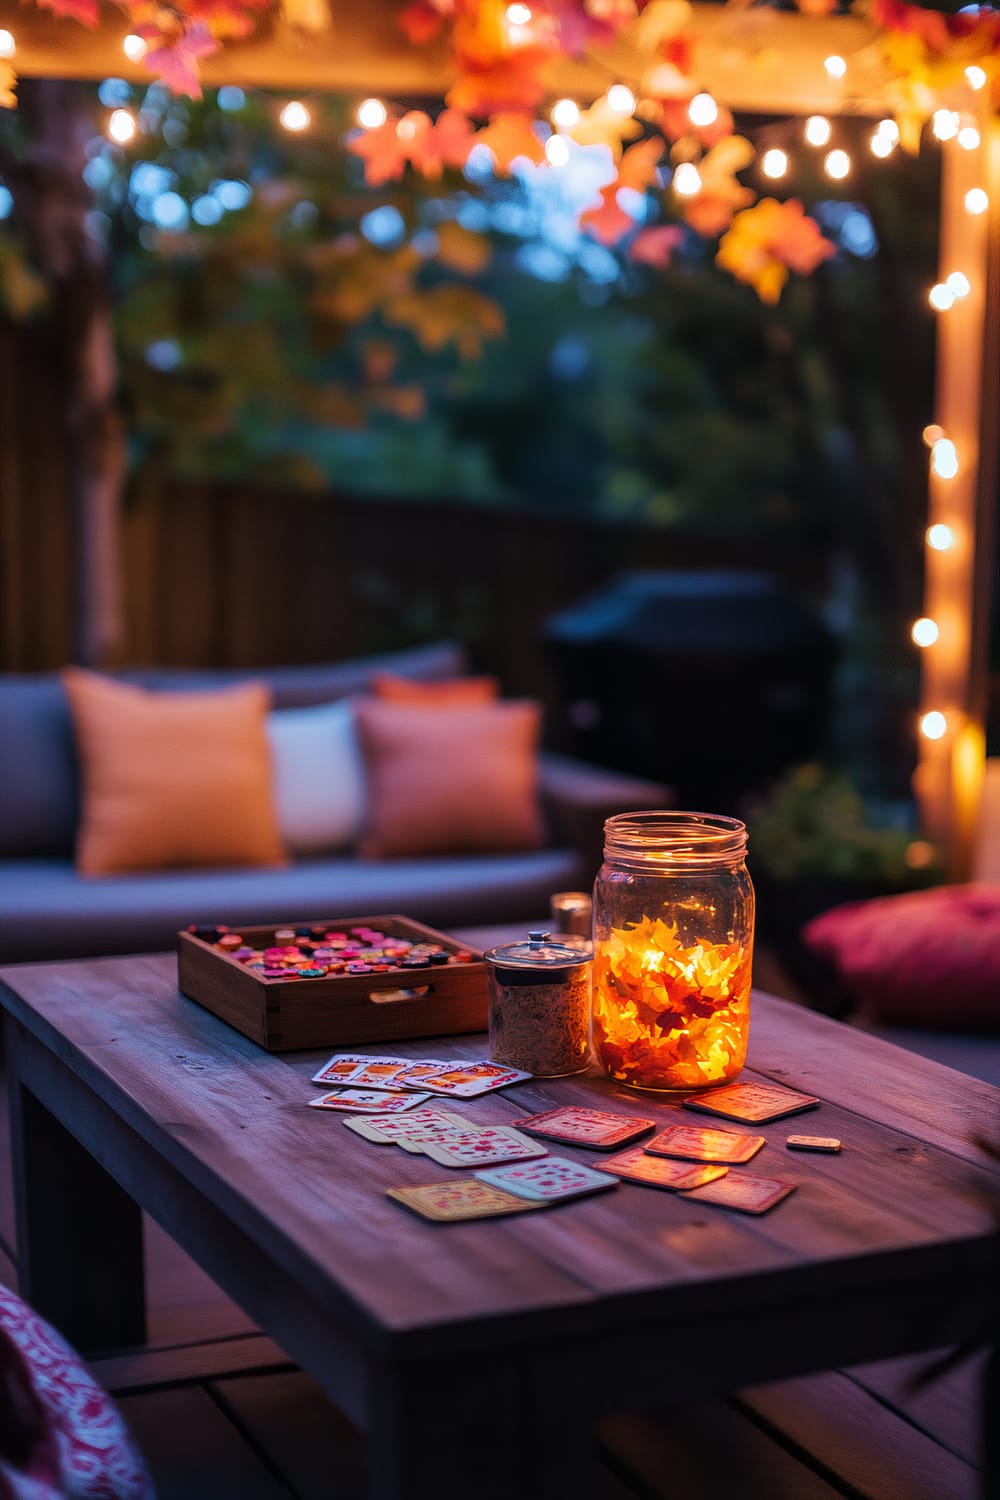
(680, 832)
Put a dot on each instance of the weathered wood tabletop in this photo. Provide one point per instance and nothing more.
(478, 1355)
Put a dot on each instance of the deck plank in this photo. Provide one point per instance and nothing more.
(194, 1452)
(321, 1454)
(946, 1406)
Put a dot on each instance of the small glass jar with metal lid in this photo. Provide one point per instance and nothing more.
(540, 1006)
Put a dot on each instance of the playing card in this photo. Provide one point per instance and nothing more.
(597, 1129)
(367, 1101)
(744, 1192)
(813, 1143)
(695, 1143)
(466, 1080)
(413, 1075)
(756, 1102)
(451, 1202)
(340, 1067)
(481, 1147)
(548, 1181)
(420, 1123)
(654, 1171)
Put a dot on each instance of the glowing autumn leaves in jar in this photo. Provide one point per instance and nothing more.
(670, 1014)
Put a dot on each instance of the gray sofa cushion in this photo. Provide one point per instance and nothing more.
(48, 911)
(39, 779)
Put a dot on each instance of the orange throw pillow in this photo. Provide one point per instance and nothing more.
(460, 782)
(448, 692)
(172, 779)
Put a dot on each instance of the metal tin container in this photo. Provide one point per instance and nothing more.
(539, 1006)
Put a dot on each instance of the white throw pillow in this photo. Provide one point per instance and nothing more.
(319, 778)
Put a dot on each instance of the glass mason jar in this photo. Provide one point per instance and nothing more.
(673, 949)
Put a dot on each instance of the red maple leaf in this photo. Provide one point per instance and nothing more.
(382, 152)
(608, 222)
(176, 64)
(656, 245)
(446, 143)
(421, 21)
(81, 10)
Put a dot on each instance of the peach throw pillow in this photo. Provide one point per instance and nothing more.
(448, 692)
(172, 779)
(460, 782)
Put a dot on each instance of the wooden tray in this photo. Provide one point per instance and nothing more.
(341, 1009)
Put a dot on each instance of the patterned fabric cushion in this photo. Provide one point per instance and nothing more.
(61, 1435)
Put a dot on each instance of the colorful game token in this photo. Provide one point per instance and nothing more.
(813, 1143)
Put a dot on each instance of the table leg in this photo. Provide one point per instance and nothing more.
(79, 1235)
(479, 1427)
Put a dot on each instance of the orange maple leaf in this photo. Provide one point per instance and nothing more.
(641, 164)
(382, 152)
(420, 22)
(607, 222)
(767, 241)
(508, 136)
(711, 210)
(504, 83)
(446, 143)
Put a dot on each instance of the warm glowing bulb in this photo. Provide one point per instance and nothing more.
(703, 110)
(295, 116)
(889, 129)
(518, 15)
(958, 285)
(939, 537)
(975, 77)
(837, 164)
(818, 130)
(135, 47)
(835, 66)
(7, 44)
(621, 99)
(565, 113)
(933, 726)
(882, 146)
(944, 459)
(945, 124)
(976, 201)
(557, 151)
(932, 434)
(687, 180)
(941, 297)
(968, 137)
(924, 632)
(372, 113)
(121, 126)
(774, 163)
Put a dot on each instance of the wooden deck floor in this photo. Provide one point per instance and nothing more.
(222, 1414)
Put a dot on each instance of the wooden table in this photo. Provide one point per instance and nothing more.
(478, 1356)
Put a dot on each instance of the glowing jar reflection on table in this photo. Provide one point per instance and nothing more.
(673, 950)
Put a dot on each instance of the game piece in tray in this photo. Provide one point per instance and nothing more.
(596, 1129)
(550, 1181)
(755, 1102)
(743, 1191)
(655, 1171)
(699, 1143)
(453, 1202)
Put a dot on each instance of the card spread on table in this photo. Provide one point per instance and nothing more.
(548, 1181)
(756, 1102)
(744, 1192)
(597, 1129)
(421, 1124)
(365, 1071)
(481, 1146)
(656, 1171)
(466, 1080)
(698, 1143)
(451, 1202)
(367, 1101)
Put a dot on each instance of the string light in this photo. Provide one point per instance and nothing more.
(944, 459)
(976, 201)
(135, 47)
(933, 726)
(941, 297)
(565, 113)
(945, 124)
(958, 285)
(881, 145)
(703, 110)
(121, 126)
(687, 180)
(295, 116)
(932, 434)
(372, 113)
(968, 137)
(7, 44)
(406, 129)
(975, 77)
(837, 164)
(835, 66)
(621, 99)
(939, 537)
(518, 15)
(774, 163)
(924, 632)
(889, 129)
(818, 130)
(557, 151)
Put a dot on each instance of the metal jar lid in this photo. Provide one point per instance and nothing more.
(537, 961)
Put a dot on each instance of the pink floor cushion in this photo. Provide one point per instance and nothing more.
(61, 1435)
(926, 958)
